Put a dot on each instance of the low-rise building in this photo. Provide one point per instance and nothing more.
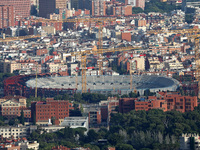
(189, 140)
(76, 122)
(56, 110)
(164, 101)
(15, 132)
(11, 107)
(27, 145)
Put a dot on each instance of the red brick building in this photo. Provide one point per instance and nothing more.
(181, 103)
(12, 108)
(41, 52)
(7, 16)
(57, 109)
(128, 10)
(166, 102)
(22, 7)
(126, 36)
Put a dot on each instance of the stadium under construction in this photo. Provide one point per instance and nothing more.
(49, 86)
(116, 84)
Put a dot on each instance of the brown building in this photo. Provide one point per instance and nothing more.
(20, 99)
(140, 3)
(166, 102)
(22, 7)
(61, 3)
(11, 147)
(126, 36)
(50, 109)
(41, 52)
(94, 117)
(98, 8)
(11, 108)
(181, 103)
(7, 16)
(126, 104)
(128, 10)
(140, 23)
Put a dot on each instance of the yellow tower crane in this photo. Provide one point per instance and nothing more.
(131, 79)
(100, 22)
(99, 51)
(9, 39)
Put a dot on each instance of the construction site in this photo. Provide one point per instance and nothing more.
(107, 84)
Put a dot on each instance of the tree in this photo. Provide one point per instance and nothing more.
(53, 119)
(22, 117)
(115, 139)
(92, 136)
(136, 10)
(157, 6)
(146, 92)
(124, 147)
(13, 121)
(189, 18)
(132, 94)
(34, 119)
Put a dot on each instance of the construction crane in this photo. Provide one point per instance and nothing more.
(9, 39)
(131, 79)
(84, 54)
(100, 23)
(190, 34)
(183, 31)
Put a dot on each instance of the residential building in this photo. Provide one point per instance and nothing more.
(140, 3)
(97, 115)
(126, 104)
(12, 109)
(61, 4)
(21, 7)
(137, 63)
(48, 128)
(9, 66)
(56, 110)
(180, 103)
(97, 8)
(11, 147)
(17, 144)
(126, 36)
(136, 3)
(76, 122)
(189, 140)
(56, 67)
(20, 99)
(28, 145)
(15, 132)
(131, 2)
(166, 102)
(7, 16)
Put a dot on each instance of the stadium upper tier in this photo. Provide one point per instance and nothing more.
(108, 84)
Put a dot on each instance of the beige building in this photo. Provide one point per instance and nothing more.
(26, 145)
(137, 63)
(154, 63)
(56, 67)
(9, 66)
(187, 139)
(20, 99)
(175, 65)
(16, 132)
(61, 3)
